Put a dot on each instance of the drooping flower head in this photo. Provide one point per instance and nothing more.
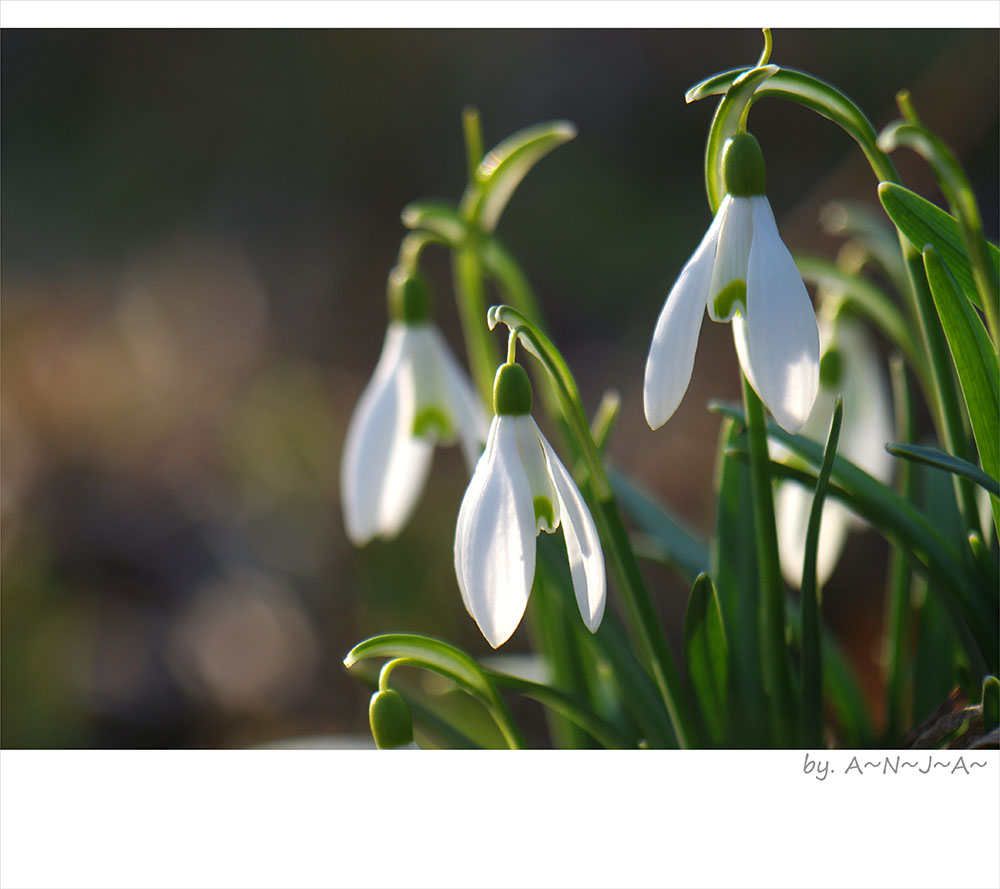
(741, 272)
(850, 367)
(519, 488)
(417, 396)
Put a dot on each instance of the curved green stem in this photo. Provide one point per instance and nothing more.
(494, 705)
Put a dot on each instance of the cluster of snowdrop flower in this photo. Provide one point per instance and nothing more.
(741, 272)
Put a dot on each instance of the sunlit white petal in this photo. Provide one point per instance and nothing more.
(495, 537)
(792, 505)
(383, 467)
(781, 325)
(675, 340)
(733, 251)
(537, 471)
(583, 546)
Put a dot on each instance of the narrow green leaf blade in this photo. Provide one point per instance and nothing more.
(503, 168)
(925, 223)
(941, 460)
(975, 360)
(706, 656)
(733, 565)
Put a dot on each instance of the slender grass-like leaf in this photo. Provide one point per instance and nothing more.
(841, 689)
(812, 651)
(961, 199)
(733, 565)
(923, 222)
(502, 169)
(446, 660)
(706, 656)
(941, 460)
(678, 546)
(976, 362)
(902, 524)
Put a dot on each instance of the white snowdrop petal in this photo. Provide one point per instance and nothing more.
(465, 407)
(732, 253)
(495, 537)
(536, 469)
(675, 340)
(739, 324)
(375, 456)
(583, 546)
(781, 325)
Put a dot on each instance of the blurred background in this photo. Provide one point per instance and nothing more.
(196, 232)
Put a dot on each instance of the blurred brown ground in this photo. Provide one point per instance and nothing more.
(196, 230)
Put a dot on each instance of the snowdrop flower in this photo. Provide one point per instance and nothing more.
(741, 272)
(519, 489)
(850, 367)
(417, 396)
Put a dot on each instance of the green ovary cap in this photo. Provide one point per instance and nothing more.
(409, 297)
(743, 171)
(831, 368)
(511, 390)
(392, 725)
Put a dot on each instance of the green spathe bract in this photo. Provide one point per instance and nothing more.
(511, 390)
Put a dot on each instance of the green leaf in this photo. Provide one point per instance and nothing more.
(812, 646)
(991, 704)
(942, 460)
(447, 661)
(706, 656)
(975, 360)
(840, 685)
(675, 544)
(733, 565)
(902, 524)
(925, 223)
(869, 300)
(503, 168)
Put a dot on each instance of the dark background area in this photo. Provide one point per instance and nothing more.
(196, 232)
